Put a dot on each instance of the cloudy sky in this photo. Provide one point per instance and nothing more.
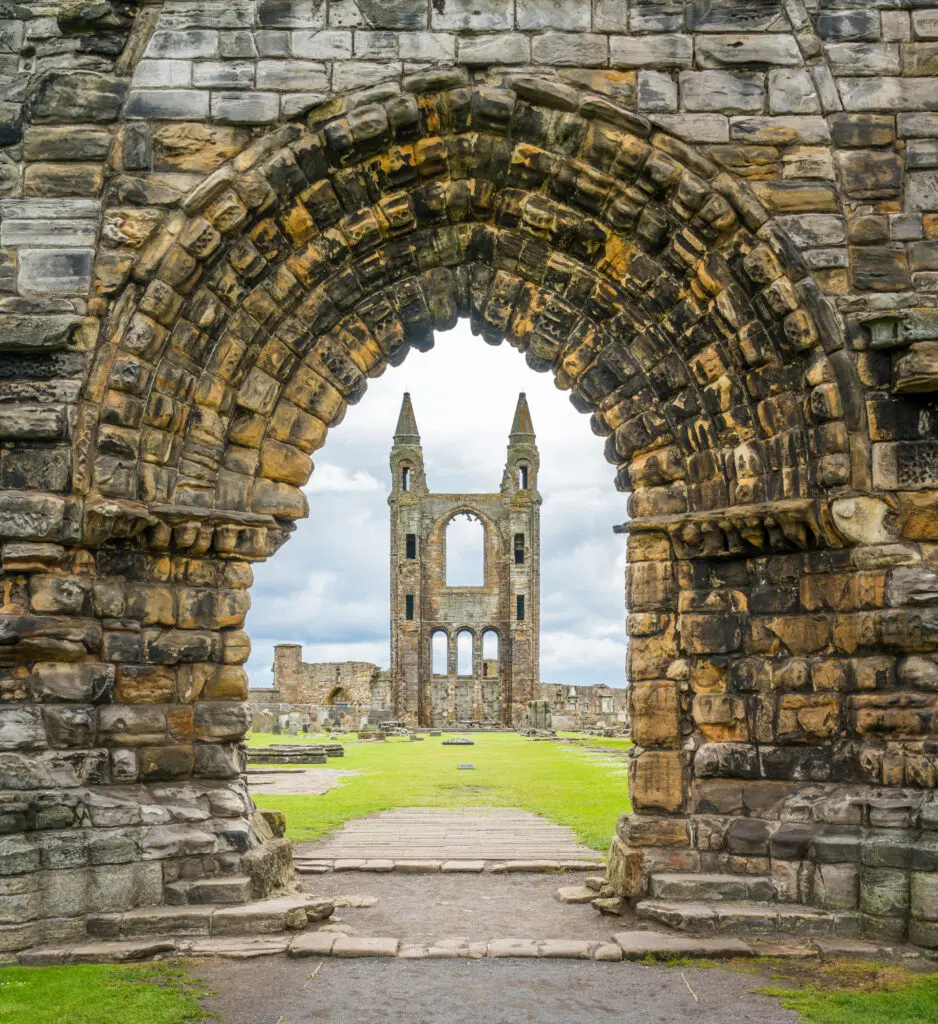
(327, 588)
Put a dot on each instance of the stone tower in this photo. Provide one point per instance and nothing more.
(502, 616)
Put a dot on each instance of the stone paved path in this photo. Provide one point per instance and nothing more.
(295, 781)
(472, 834)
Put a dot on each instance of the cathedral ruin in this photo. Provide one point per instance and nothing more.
(488, 636)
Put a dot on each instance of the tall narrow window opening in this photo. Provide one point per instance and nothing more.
(490, 654)
(519, 549)
(439, 652)
(464, 653)
(409, 607)
(465, 551)
(523, 477)
(405, 478)
(411, 545)
(519, 607)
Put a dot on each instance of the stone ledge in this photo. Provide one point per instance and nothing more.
(321, 865)
(629, 945)
(794, 524)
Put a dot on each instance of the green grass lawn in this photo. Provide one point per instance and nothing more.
(858, 992)
(150, 994)
(570, 784)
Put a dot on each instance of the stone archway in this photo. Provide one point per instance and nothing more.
(768, 600)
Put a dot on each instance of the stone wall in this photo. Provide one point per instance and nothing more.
(316, 685)
(586, 707)
(714, 224)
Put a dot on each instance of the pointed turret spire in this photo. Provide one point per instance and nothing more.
(406, 432)
(523, 461)
(522, 429)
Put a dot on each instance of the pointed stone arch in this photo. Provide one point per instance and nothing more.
(653, 286)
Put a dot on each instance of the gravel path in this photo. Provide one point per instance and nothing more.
(418, 908)
(276, 990)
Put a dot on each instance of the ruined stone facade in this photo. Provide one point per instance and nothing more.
(503, 612)
(715, 224)
(336, 688)
(586, 707)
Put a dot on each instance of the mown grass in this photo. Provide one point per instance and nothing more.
(150, 994)
(857, 992)
(566, 783)
(838, 991)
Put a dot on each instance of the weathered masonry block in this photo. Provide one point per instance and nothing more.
(715, 225)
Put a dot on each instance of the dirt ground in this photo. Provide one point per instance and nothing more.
(296, 781)
(420, 908)
(277, 990)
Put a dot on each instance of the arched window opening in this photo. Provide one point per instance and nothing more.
(405, 478)
(464, 653)
(490, 654)
(337, 696)
(523, 478)
(519, 549)
(411, 545)
(465, 551)
(439, 652)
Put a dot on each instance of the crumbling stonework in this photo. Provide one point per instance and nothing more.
(337, 688)
(714, 224)
(505, 607)
(586, 707)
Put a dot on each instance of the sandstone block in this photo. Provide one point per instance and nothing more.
(77, 97)
(884, 891)
(656, 781)
(655, 714)
(728, 92)
(657, 51)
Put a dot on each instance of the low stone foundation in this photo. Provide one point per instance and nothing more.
(82, 852)
(863, 853)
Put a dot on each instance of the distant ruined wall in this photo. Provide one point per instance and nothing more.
(321, 684)
(584, 707)
(716, 226)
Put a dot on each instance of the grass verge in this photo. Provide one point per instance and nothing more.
(566, 783)
(857, 992)
(145, 994)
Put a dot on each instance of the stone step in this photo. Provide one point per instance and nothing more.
(697, 887)
(224, 890)
(707, 917)
(260, 917)
(631, 945)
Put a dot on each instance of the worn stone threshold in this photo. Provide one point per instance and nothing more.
(323, 865)
(628, 945)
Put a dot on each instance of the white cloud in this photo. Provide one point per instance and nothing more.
(331, 479)
(328, 587)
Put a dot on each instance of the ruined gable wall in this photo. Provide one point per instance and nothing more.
(313, 683)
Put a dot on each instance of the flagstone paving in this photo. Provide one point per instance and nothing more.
(480, 834)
